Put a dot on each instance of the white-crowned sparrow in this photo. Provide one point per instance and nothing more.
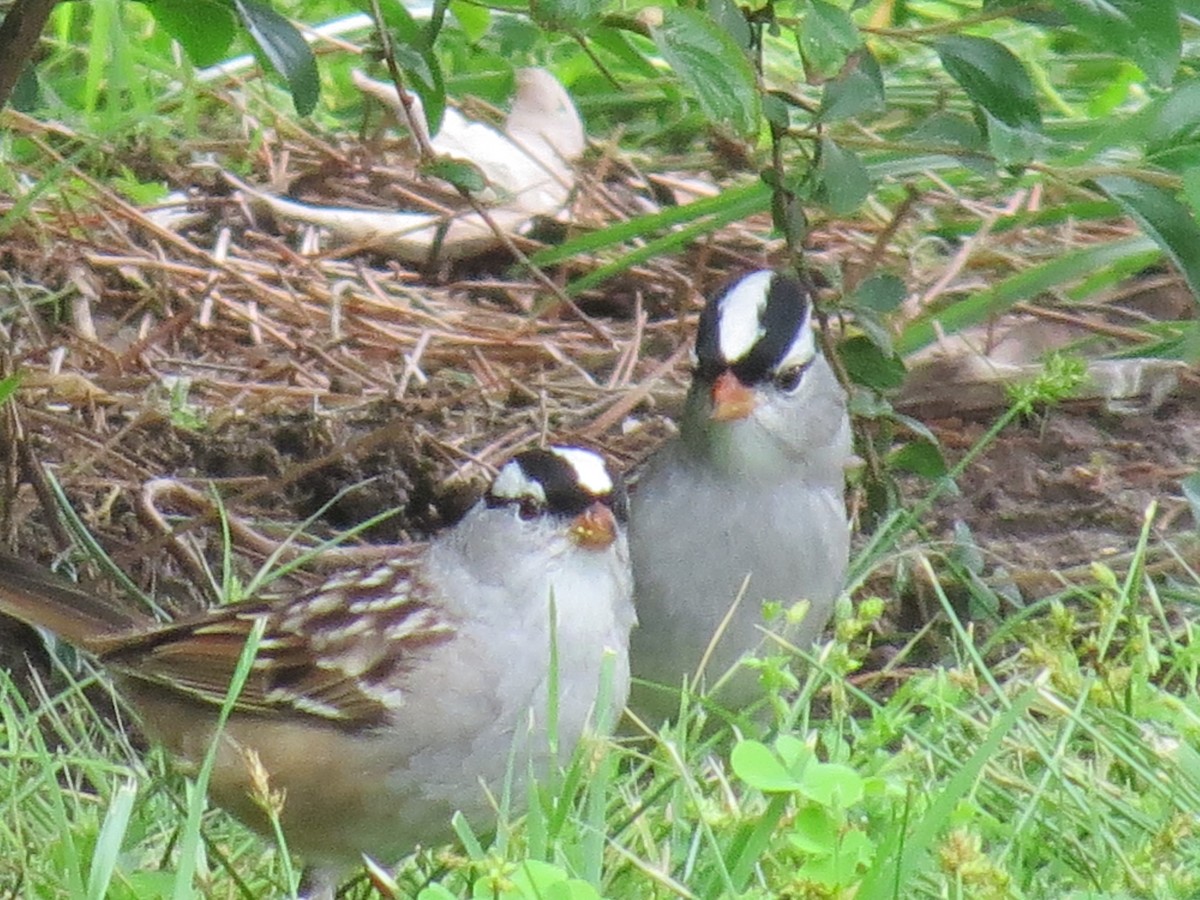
(751, 489)
(384, 699)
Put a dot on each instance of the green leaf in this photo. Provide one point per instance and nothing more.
(474, 20)
(26, 93)
(8, 386)
(857, 91)
(868, 365)
(437, 18)
(535, 878)
(761, 767)
(436, 892)
(204, 28)
(879, 293)
(840, 868)
(1146, 31)
(712, 66)
(729, 18)
(1172, 225)
(461, 174)
(959, 132)
(814, 830)
(843, 182)
(920, 457)
(285, 49)
(832, 785)
(1191, 189)
(777, 110)
(993, 78)
(620, 46)
(1011, 146)
(962, 137)
(419, 64)
(565, 15)
(827, 36)
(1170, 123)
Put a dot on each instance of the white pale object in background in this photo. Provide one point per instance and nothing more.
(528, 167)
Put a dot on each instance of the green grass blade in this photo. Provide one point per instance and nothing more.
(900, 854)
(108, 844)
(649, 224)
(1024, 286)
(189, 844)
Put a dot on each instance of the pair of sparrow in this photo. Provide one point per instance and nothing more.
(384, 699)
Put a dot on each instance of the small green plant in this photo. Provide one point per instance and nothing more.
(832, 849)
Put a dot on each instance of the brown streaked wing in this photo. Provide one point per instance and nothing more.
(340, 652)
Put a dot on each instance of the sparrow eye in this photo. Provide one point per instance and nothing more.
(789, 379)
(529, 508)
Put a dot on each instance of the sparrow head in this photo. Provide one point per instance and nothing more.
(756, 334)
(761, 390)
(568, 485)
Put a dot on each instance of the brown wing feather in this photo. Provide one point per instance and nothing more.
(337, 652)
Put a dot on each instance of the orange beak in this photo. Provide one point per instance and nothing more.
(595, 528)
(731, 399)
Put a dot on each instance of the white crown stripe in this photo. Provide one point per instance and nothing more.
(590, 472)
(740, 323)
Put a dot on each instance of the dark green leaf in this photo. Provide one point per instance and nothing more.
(1191, 189)
(880, 293)
(827, 36)
(620, 46)
(463, 175)
(875, 330)
(204, 28)
(565, 15)
(25, 93)
(1146, 31)
(410, 42)
(916, 426)
(1172, 225)
(919, 457)
(962, 138)
(992, 78)
(1011, 146)
(857, 90)
(866, 365)
(777, 111)
(1024, 11)
(844, 183)
(285, 49)
(1172, 121)
(712, 66)
(947, 128)
(729, 18)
